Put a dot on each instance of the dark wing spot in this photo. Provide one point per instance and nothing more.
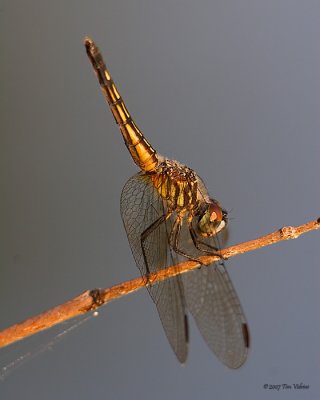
(246, 335)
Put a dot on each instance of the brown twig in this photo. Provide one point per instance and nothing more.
(92, 299)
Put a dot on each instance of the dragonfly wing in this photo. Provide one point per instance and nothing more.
(141, 205)
(214, 304)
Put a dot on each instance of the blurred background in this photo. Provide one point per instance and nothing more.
(232, 89)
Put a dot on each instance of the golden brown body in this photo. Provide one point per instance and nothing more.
(167, 214)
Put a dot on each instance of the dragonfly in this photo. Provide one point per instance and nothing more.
(169, 216)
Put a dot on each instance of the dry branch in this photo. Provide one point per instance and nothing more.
(92, 299)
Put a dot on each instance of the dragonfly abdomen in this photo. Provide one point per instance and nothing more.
(140, 149)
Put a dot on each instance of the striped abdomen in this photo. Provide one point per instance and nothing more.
(140, 149)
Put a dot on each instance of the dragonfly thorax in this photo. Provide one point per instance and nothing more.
(177, 184)
(212, 218)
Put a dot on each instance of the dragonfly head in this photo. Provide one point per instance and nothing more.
(212, 219)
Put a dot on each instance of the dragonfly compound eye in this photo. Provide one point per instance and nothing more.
(212, 220)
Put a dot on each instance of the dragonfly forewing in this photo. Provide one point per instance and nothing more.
(141, 205)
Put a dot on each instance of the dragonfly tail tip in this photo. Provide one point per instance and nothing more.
(87, 41)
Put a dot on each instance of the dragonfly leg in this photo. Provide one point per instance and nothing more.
(145, 235)
(174, 240)
(202, 246)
